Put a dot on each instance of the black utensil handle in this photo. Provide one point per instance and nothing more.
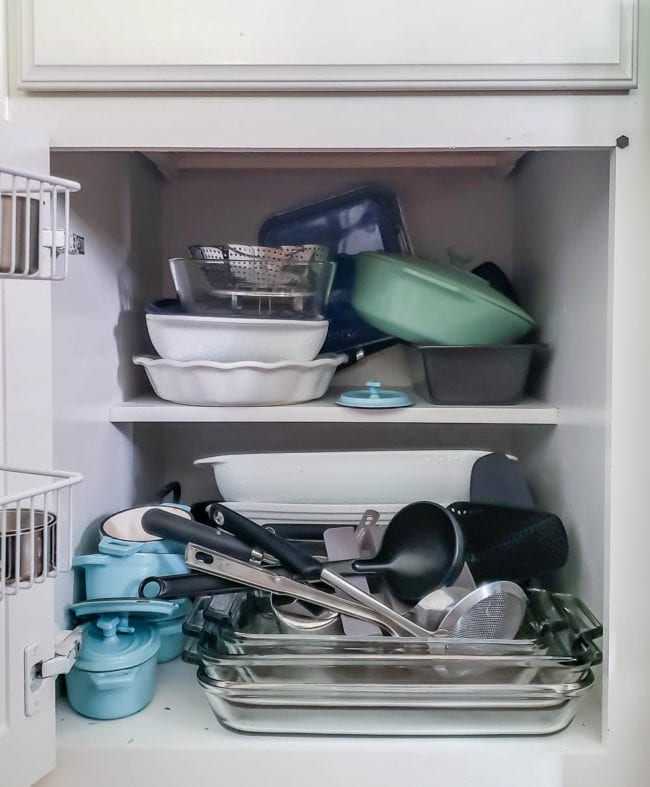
(361, 351)
(181, 585)
(299, 532)
(164, 524)
(255, 535)
(173, 488)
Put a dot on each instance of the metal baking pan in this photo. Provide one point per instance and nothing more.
(477, 375)
(395, 710)
(368, 218)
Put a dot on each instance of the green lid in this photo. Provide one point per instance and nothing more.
(427, 302)
(442, 274)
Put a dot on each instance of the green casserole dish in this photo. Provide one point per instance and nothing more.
(423, 301)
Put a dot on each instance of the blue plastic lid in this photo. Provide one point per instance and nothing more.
(374, 398)
(114, 642)
(148, 609)
(111, 643)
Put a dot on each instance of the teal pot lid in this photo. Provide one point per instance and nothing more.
(373, 397)
(113, 642)
(147, 609)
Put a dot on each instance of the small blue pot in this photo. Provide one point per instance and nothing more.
(114, 674)
(172, 639)
(113, 694)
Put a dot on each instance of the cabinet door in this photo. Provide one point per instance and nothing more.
(27, 736)
(338, 45)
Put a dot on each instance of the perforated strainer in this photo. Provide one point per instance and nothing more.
(494, 610)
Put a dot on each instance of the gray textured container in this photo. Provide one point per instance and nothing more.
(477, 374)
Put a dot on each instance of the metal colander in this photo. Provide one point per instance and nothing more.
(261, 268)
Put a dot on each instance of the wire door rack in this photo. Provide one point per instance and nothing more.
(35, 518)
(35, 238)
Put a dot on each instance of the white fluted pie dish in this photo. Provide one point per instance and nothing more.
(209, 383)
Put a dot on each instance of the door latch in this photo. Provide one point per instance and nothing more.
(76, 243)
(38, 670)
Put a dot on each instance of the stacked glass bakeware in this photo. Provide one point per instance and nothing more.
(258, 679)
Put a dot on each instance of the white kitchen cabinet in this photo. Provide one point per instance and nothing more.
(570, 225)
(129, 45)
(555, 224)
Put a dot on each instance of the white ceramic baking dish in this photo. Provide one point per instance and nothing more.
(185, 337)
(341, 477)
(209, 383)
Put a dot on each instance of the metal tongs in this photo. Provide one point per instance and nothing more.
(218, 565)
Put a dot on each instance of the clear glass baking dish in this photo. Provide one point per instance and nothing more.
(395, 709)
(556, 644)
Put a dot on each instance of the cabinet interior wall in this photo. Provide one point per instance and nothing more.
(548, 225)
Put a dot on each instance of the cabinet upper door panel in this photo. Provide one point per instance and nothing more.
(338, 44)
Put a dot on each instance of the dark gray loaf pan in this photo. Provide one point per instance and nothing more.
(477, 374)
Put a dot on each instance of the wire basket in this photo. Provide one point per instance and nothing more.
(35, 514)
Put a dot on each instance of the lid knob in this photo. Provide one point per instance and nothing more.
(108, 625)
(374, 388)
(123, 626)
(112, 625)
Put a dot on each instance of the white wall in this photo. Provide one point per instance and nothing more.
(562, 245)
(467, 209)
(98, 325)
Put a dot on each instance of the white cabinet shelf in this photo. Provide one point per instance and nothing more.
(149, 409)
(178, 738)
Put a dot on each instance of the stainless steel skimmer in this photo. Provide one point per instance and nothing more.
(494, 610)
(210, 562)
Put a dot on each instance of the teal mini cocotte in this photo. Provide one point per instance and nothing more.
(114, 675)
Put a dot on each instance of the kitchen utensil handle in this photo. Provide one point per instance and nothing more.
(173, 488)
(358, 594)
(344, 567)
(167, 525)
(310, 531)
(213, 563)
(357, 354)
(255, 535)
(581, 619)
(108, 681)
(308, 567)
(181, 585)
(114, 546)
(99, 559)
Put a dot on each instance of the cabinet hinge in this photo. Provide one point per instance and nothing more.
(38, 670)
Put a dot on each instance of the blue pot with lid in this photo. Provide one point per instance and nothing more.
(121, 534)
(114, 675)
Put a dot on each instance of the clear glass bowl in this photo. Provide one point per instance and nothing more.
(254, 287)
